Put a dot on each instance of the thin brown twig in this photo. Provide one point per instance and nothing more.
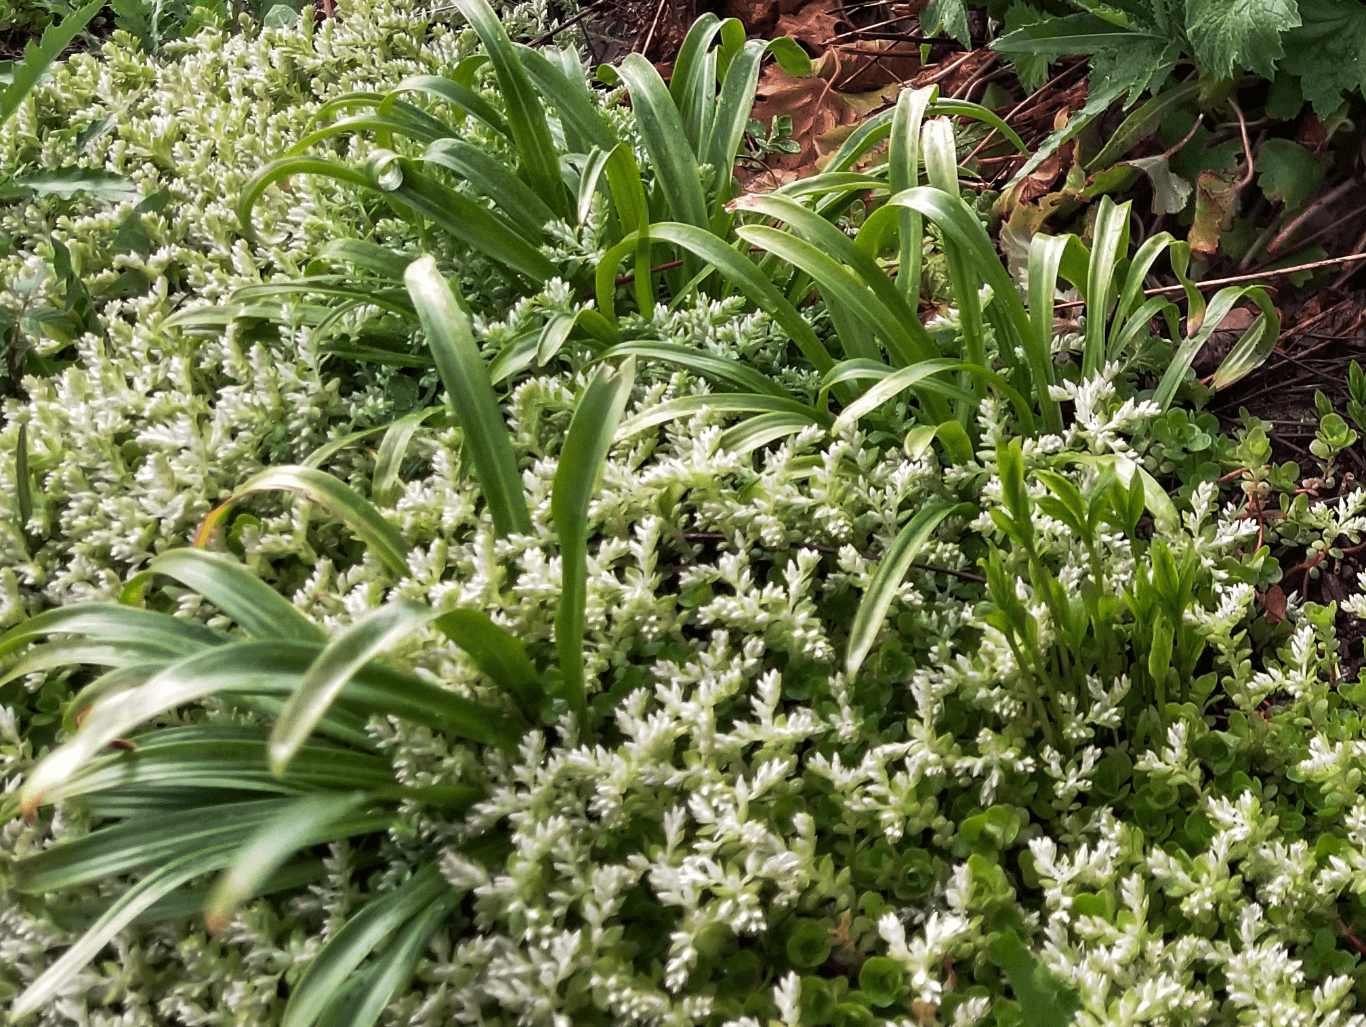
(1240, 279)
(965, 90)
(649, 36)
(878, 25)
(1341, 279)
(1027, 104)
(1336, 193)
(1168, 154)
(546, 37)
(1247, 144)
(946, 71)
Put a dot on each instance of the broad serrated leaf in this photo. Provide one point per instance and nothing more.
(64, 183)
(1231, 34)
(1325, 52)
(1286, 172)
(25, 76)
(947, 16)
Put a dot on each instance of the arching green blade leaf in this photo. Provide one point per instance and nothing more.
(737, 268)
(393, 969)
(124, 911)
(662, 131)
(722, 402)
(458, 95)
(596, 415)
(108, 622)
(526, 116)
(334, 496)
(498, 654)
(230, 758)
(300, 823)
(471, 396)
(233, 588)
(340, 659)
(887, 579)
(360, 936)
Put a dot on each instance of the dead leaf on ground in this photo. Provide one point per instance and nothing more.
(814, 24)
(1273, 605)
(818, 111)
(759, 17)
(1214, 199)
(876, 64)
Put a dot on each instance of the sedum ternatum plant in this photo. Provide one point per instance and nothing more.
(715, 647)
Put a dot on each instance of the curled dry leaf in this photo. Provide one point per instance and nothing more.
(1273, 605)
(821, 113)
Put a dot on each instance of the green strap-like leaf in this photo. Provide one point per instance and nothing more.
(1110, 245)
(299, 824)
(719, 370)
(526, 117)
(283, 168)
(1044, 1000)
(498, 654)
(340, 659)
(596, 415)
(487, 176)
(143, 841)
(1255, 344)
(334, 496)
(261, 668)
(234, 589)
(666, 141)
(569, 96)
(471, 396)
(891, 571)
(903, 172)
(391, 971)
(1219, 307)
(457, 94)
(737, 268)
(722, 402)
(228, 758)
(109, 622)
(124, 911)
(358, 937)
(463, 218)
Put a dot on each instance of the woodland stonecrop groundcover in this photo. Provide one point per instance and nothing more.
(704, 640)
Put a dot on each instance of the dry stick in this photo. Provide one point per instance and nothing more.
(965, 90)
(1247, 144)
(1240, 279)
(1027, 104)
(649, 36)
(874, 57)
(1304, 326)
(1329, 197)
(945, 72)
(1172, 152)
(1315, 236)
(546, 37)
(878, 25)
(1341, 279)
